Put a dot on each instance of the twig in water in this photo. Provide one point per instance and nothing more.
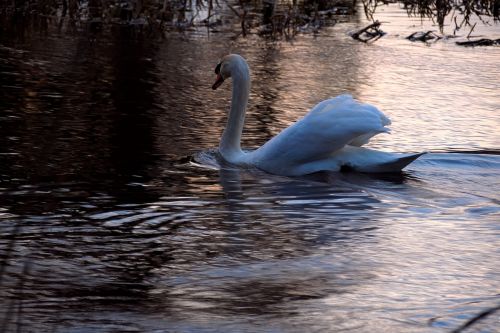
(474, 319)
(8, 251)
(471, 30)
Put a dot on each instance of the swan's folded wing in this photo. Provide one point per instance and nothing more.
(328, 127)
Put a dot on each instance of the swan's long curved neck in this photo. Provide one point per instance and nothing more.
(229, 146)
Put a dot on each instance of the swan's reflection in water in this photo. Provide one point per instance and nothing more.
(281, 246)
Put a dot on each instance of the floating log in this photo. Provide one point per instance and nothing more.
(369, 33)
(480, 42)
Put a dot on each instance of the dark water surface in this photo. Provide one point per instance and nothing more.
(107, 225)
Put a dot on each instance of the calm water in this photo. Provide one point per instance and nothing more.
(107, 225)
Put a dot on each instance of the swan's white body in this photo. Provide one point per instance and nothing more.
(328, 138)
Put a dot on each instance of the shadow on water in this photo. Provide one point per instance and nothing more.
(54, 128)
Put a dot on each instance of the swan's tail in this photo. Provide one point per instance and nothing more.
(397, 164)
(373, 161)
(364, 160)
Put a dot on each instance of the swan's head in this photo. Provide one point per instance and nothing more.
(228, 66)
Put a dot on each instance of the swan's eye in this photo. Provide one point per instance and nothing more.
(217, 69)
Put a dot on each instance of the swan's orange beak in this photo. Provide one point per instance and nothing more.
(218, 82)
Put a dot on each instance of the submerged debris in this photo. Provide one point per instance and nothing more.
(480, 42)
(369, 33)
(421, 36)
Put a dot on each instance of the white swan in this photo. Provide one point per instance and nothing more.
(328, 138)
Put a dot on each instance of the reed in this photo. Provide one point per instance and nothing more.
(264, 17)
